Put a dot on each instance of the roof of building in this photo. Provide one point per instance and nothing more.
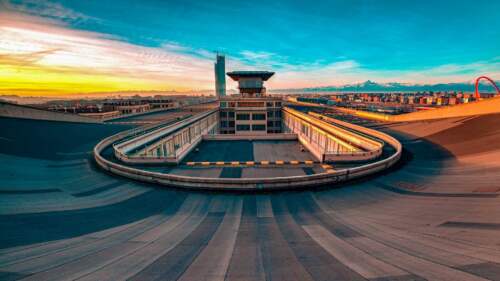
(236, 75)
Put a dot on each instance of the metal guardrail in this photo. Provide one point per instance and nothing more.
(239, 184)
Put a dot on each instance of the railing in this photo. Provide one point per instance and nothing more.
(331, 142)
(152, 138)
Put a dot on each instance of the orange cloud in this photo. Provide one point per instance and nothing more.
(36, 55)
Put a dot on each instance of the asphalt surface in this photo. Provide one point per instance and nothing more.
(435, 217)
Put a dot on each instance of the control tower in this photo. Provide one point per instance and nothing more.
(251, 83)
(220, 77)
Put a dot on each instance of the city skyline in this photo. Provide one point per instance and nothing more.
(62, 48)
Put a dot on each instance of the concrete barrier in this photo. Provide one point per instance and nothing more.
(246, 184)
(251, 137)
(29, 112)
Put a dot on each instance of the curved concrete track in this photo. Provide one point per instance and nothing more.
(437, 217)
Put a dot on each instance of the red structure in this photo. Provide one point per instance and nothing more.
(477, 95)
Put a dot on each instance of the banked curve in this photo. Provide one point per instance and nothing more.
(247, 184)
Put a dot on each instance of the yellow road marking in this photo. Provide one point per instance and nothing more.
(219, 163)
(205, 163)
(330, 171)
(190, 163)
(250, 162)
(294, 162)
(280, 162)
(235, 163)
(325, 166)
(264, 162)
(309, 162)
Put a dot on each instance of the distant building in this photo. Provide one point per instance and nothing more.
(127, 106)
(220, 76)
(251, 112)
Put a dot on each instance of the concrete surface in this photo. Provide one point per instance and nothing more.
(244, 150)
(434, 218)
(280, 150)
(33, 113)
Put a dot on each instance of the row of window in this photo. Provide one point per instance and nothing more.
(255, 127)
(224, 104)
(255, 116)
(274, 123)
(246, 116)
(230, 124)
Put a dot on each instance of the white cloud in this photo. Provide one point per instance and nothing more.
(251, 55)
(33, 41)
(44, 8)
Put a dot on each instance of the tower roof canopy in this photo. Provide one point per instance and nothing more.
(264, 75)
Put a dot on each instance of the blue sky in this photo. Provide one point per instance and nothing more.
(312, 43)
(378, 34)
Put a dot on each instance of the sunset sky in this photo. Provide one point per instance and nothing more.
(70, 47)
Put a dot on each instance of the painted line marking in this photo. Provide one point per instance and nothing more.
(264, 162)
(235, 163)
(219, 163)
(190, 163)
(205, 163)
(294, 162)
(280, 162)
(309, 162)
(250, 163)
(325, 166)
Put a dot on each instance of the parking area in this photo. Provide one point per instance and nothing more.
(271, 151)
(248, 159)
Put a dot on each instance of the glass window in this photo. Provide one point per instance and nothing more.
(223, 104)
(270, 123)
(258, 127)
(270, 114)
(232, 104)
(223, 124)
(269, 104)
(277, 113)
(243, 117)
(277, 104)
(230, 114)
(258, 116)
(223, 114)
(250, 104)
(243, 127)
(231, 124)
(277, 124)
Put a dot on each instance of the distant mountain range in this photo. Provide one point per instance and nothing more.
(370, 86)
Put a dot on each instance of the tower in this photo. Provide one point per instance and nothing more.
(251, 83)
(220, 76)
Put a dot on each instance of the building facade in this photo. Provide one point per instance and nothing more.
(251, 112)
